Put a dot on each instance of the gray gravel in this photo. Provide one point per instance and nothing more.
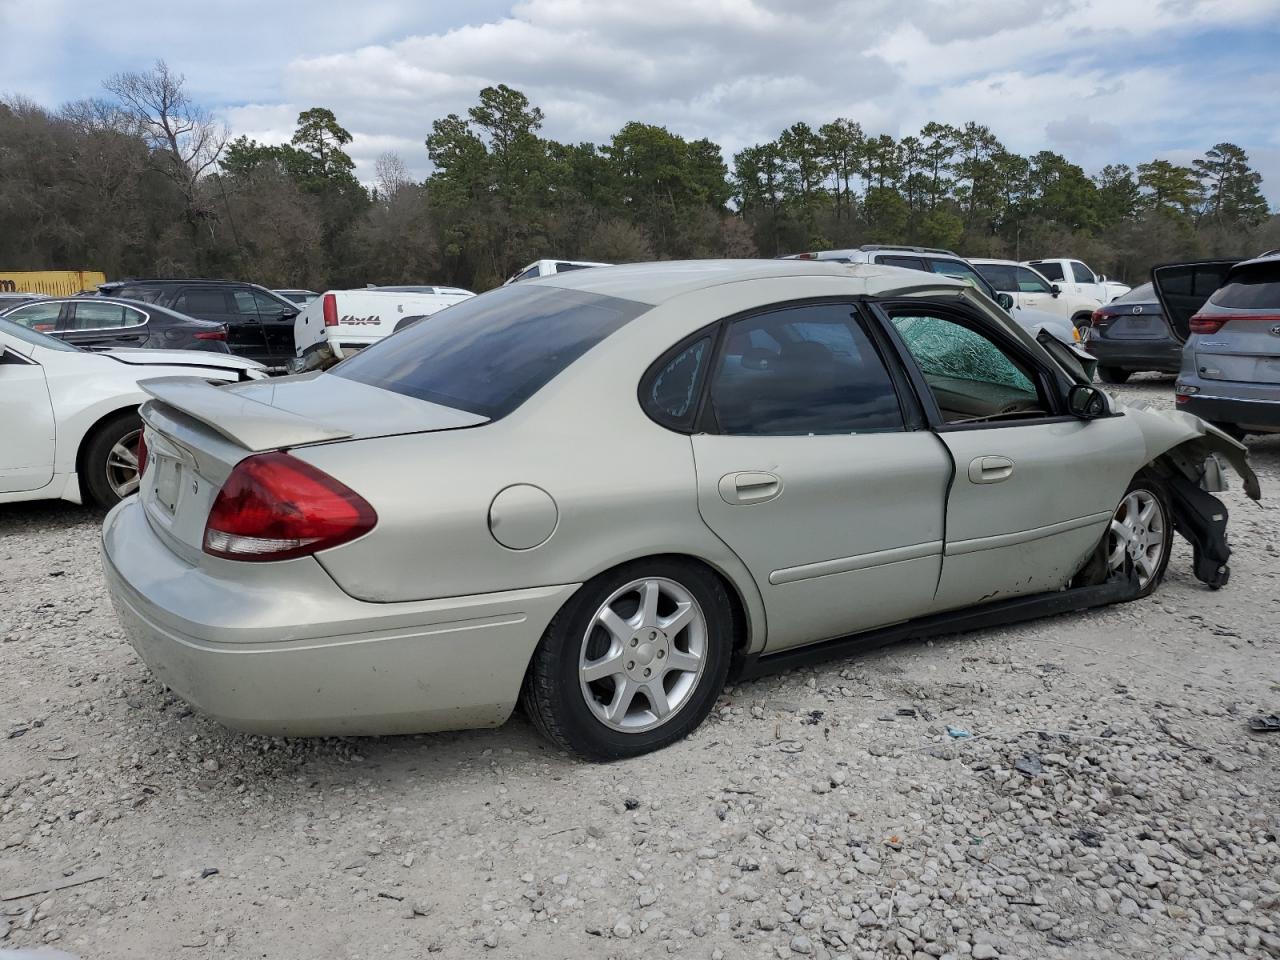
(1109, 801)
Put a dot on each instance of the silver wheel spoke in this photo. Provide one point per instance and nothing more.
(607, 666)
(657, 698)
(128, 487)
(684, 615)
(687, 662)
(1147, 512)
(649, 594)
(123, 456)
(1145, 566)
(1121, 531)
(623, 694)
(618, 628)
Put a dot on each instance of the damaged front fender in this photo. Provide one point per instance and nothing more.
(1190, 446)
(1187, 453)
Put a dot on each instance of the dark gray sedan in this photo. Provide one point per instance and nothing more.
(1130, 334)
(112, 323)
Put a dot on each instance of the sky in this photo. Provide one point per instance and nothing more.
(1100, 81)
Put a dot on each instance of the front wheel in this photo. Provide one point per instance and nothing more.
(109, 467)
(633, 662)
(1141, 533)
(1113, 374)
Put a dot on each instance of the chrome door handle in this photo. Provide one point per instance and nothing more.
(990, 469)
(749, 487)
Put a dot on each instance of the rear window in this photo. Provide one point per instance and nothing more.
(1251, 288)
(1144, 293)
(489, 354)
(1050, 268)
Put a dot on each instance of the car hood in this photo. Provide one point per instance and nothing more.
(181, 358)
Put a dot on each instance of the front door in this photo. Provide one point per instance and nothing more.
(1034, 488)
(26, 455)
(276, 318)
(812, 474)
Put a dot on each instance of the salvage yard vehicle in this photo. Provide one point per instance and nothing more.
(259, 322)
(1075, 279)
(1230, 312)
(343, 322)
(300, 297)
(1131, 334)
(549, 268)
(108, 323)
(600, 492)
(71, 423)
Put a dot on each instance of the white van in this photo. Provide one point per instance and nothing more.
(341, 322)
(545, 268)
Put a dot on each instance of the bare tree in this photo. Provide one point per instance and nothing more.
(187, 138)
(391, 174)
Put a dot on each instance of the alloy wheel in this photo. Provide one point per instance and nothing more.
(1138, 533)
(643, 654)
(122, 465)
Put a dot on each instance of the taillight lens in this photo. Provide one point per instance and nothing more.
(329, 307)
(1207, 324)
(142, 452)
(211, 334)
(1099, 317)
(275, 506)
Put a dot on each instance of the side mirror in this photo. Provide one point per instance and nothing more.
(1087, 402)
(1055, 289)
(1005, 300)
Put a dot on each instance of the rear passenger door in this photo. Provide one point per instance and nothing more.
(812, 465)
(215, 302)
(102, 325)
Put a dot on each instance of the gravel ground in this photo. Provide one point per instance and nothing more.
(1110, 801)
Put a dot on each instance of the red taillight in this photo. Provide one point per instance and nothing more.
(1099, 317)
(1207, 324)
(1213, 322)
(274, 506)
(212, 334)
(329, 307)
(141, 453)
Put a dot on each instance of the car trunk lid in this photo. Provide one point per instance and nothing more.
(198, 432)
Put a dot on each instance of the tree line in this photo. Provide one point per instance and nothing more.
(142, 181)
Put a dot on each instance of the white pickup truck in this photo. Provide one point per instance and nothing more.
(1077, 281)
(341, 322)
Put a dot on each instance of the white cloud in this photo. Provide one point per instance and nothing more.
(1098, 80)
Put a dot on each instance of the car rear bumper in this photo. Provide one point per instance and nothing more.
(1161, 355)
(1254, 414)
(279, 649)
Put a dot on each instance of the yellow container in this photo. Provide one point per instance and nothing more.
(54, 283)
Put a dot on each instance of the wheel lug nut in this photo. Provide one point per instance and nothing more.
(647, 671)
(653, 635)
(631, 664)
(661, 654)
(634, 641)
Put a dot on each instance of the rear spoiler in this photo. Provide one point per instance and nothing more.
(254, 425)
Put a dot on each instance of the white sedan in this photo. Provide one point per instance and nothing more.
(71, 426)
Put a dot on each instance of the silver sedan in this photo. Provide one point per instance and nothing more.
(601, 492)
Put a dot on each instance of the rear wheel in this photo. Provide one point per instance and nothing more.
(1113, 374)
(109, 466)
(1141, 533)
(633, 662)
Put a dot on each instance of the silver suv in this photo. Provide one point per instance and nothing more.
(1230, 311)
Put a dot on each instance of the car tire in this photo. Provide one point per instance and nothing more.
(1113, 374)
(582, 671)
(1157, 533)
(104, 479)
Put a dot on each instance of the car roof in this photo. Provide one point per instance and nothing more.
(1271, 256)
(110, 284)
(654, 283)
(1003, 263)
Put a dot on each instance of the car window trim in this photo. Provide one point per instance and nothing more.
(68, 313)
(1050, 382)
(705, 422)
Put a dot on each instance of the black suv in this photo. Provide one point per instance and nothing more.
(259, 323)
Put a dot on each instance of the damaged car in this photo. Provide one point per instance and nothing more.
(604, 492)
